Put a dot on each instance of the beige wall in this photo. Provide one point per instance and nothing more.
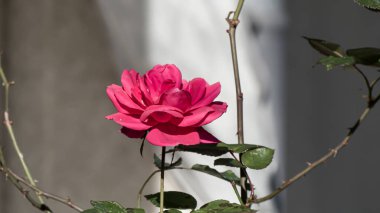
(59, 56)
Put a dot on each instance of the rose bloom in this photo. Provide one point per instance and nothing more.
(169, 109)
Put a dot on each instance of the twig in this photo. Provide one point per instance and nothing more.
(233, 23)
(139, 195)
(331, 154)
(373, 84)
(8, 125)
(62, 200)
(366, 80)
(162, 179)
(16, 180)
(237, 193)
(16, 183)
(143, 186)
(252, 194)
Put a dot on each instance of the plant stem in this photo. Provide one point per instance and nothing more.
(8, 125)
(366, 81)
(143, 186)
(252, 195)
(238, 9)
(331, 154)
(237, 193)
(233, 23)
(16, 180)
(157, 171)
(162, 180)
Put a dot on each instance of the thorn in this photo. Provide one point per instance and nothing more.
(334, 151)
(229, 15)
(68, 200)
(8, 122)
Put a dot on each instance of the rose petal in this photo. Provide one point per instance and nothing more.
(206, 137)
(146, 96)
(197, 89)
(195, 116)
(132, 133)
(161, 110)
(169, 135)
(219, 109)
(129, 80)
(161, 79)
(211, 93)
(153, 87)
(111, 94)
(170, 71)
(180, 99)
(184, 84)
(125, 100)
(128, 121)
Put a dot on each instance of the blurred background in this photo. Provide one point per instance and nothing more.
(63, 54)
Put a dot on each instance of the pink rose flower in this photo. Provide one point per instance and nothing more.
(169, 109)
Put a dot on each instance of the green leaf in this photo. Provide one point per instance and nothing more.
(157, 163)
(203, 149)
(223, 206)
(228, 162)
(369, 4)
(331, 62)
(90, 211)
(366, 55)
(108, 207)
(172, 211)
(227, 175)
(258, 158)
(325, 47)
(238, 148)
(173, 200)
(230, 176)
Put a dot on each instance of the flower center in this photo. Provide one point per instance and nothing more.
(175, 97)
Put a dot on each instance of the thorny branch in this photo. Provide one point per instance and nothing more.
(13, 177)
(233, 23)
(21, 182)
(371, 102)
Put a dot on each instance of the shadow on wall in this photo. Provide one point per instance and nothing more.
(59, 55)
(322, 105)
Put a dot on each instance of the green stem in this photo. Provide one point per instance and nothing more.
(162, 180)
(16, 180)
(6, 85)
(143, 186)
(157, 171)
(237, 193)
(16, 183)
(8, 125)
(238, 10)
